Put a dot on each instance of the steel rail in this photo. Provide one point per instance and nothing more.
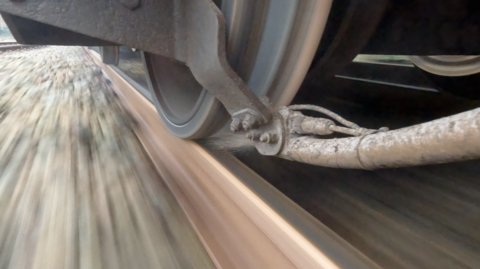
(242, 221)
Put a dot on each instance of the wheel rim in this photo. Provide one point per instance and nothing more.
(166, 77)
(270, 46)
(448, 66)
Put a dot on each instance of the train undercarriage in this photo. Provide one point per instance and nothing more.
(244, 60)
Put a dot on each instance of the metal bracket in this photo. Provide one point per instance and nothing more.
(110, 54)
(189, 31)
(269, 139)
(208, 63)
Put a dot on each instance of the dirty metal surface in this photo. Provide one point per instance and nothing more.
(450, 139)
(32, 32)
(77, 189)
(191, 31)
(150, 27)
(270, 139)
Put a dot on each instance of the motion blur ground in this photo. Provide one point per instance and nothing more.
(77, 189)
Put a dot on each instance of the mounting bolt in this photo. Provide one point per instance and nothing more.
(130, 4)
(248, 122)
(268, 137)
(235, 125)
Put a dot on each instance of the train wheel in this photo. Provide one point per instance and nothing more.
(459, 75)
(270, 45)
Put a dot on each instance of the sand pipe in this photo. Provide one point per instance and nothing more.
(449, 139)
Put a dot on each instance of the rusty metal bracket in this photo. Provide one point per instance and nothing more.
(208, 63)
(188, 31)
(269, 139)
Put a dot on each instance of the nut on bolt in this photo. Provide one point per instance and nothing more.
(235, 125)
(248, 122)
(268, 137)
